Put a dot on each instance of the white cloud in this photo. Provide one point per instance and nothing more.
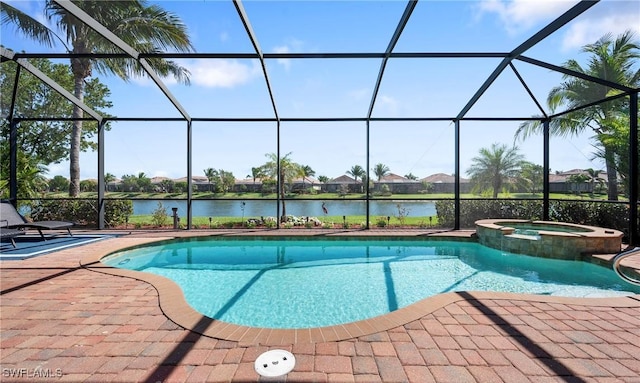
(224, 36)
(625, 16)
(211, 73)
(286, 63)
(518, 16)
(221, 73)
(388, 103)
(292, 45)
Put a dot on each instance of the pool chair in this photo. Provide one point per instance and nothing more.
(15, 220)
(6, 233)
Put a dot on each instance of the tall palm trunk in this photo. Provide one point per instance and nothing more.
(497, 184)
(612, 174)
(81, 68)
(610, 157)
(76, 136)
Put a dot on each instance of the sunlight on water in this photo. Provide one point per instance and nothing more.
(290, 283)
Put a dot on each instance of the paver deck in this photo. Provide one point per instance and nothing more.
(64, 318)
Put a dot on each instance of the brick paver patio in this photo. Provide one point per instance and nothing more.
(60, 321)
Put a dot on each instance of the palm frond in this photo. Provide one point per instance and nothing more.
(27, 25)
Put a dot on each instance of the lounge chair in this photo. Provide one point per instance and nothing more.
(16, 221)
(5, 232)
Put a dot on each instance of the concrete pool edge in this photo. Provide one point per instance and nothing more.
(174, 306)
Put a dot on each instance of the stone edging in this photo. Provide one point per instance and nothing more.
(175, 307)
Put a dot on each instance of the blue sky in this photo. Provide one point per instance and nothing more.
(342, 88)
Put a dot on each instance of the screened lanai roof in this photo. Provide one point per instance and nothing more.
(347, 61)
(359, 59)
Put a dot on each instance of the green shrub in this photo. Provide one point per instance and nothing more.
(381, 222)
(159, 217)
(568, 211)
(445, 212)
(403, 213)
(80, 211)
(117, 212)
(473, 210)
(602, 214)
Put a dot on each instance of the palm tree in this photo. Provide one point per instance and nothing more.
(30, 173)
(256, 173)
(594, 178)
(380, 170)
(411, 176)
(146, 28)
(306, 171)
(289, 170)
(576, 180)
(144, 183)
(495, 167)
(227, 179)
(211, 175)
(108, 178)
(356, 171)
(166, 186)
(612, 60)
(618, 139)
(531, 176)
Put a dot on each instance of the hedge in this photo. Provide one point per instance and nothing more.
(594, 213)
(81, 211)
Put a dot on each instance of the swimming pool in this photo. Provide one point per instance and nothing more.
(302, 283)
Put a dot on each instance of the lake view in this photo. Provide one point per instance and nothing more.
(258, 208)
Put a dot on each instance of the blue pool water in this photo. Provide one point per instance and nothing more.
(301, 283)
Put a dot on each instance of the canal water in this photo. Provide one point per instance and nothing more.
(258, 208)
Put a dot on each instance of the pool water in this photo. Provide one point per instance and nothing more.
(298, 283)
(541, 226)
(534, 230)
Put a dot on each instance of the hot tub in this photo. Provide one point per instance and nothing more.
(547, 239)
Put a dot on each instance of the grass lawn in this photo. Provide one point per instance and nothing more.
(139, 221)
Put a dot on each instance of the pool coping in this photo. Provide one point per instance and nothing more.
(591, 231)
(175, 307)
